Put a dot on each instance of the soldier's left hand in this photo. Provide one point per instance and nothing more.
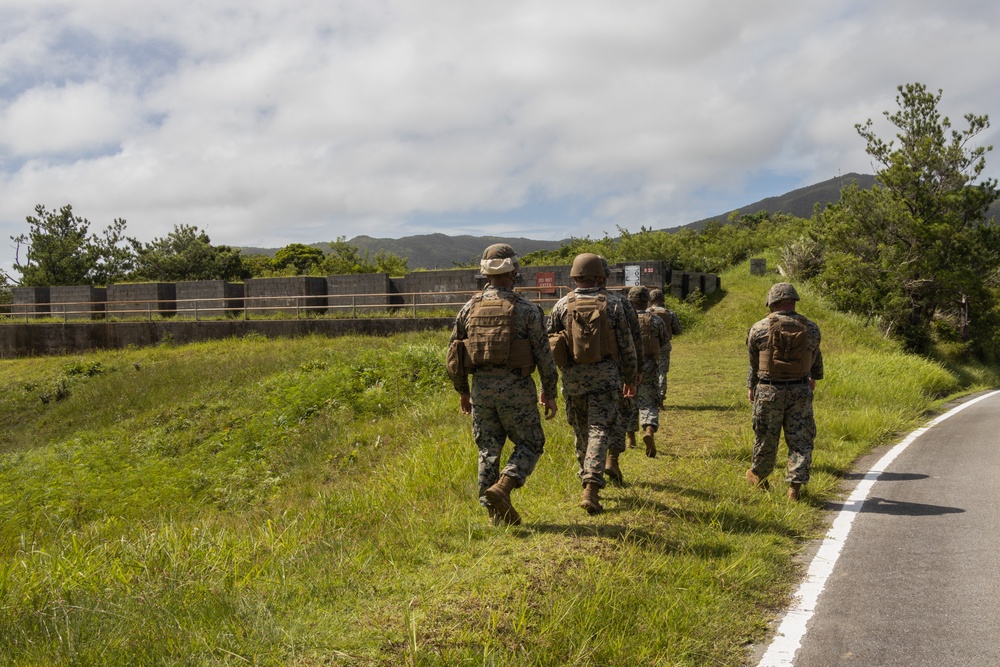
(629, 391)
(551, 408)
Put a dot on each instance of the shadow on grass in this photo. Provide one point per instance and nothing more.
(699, 407)
(619, 532)
(666, 487)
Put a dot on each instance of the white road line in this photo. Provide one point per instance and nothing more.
(782, 650)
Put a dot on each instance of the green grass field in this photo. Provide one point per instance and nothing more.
(313, 502)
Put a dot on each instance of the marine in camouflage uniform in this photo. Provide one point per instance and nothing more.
(626, 404)
(645, 413)
(592, 390)
(502, 400)
(780, 384)
(673, 326)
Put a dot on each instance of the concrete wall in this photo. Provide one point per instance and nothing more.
(21, 340)
(368, 290)
(420, 291)
(142, 299)
(29, 301)
(78, 302)
(440, 289)
(209, 298)
(290, 295)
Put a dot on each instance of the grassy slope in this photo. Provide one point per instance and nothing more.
(312, 502)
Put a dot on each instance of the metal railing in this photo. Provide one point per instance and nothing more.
(311, 306)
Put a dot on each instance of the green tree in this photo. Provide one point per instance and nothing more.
(115, 259)
(344, 258)
(187, 253)
(59, 250)
(915, 251)
(301, 258)
(257, 266)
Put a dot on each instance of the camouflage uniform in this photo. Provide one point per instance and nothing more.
(626, 406)
(645, 411)
(673, 326)
(504, 403)
(592, 390)
(783, 405)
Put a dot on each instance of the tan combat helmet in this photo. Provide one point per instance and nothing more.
(781, 292)
(639, 296)
(587, 265)
(498, 259)
(655, 295)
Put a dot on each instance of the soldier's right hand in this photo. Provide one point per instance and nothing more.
(465, 403)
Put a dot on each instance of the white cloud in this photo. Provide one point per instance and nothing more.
(268, 123)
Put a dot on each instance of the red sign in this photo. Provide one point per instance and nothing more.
(545, 281)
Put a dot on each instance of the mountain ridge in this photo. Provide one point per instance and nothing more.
(441, 251)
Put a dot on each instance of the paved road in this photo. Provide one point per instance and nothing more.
(918, 578)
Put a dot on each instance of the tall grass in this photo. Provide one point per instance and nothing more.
(313, 501)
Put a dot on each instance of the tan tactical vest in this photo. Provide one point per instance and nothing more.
(491, 339)
(650, 343)
(591, 334)
(786, 355)
(664, 315)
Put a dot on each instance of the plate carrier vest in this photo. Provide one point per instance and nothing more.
(786, 355)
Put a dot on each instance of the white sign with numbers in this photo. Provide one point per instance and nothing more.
(632, 275)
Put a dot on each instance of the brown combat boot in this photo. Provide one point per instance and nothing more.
(589, 499)
(498, 497)
(762, 484)
(647, 439)
(795, 490)
(631, 439)
(612, 470)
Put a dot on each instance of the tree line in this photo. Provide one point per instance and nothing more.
(60, 249)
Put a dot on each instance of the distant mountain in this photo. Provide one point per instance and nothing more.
(430, 251)
(799, 202)
(440, 251)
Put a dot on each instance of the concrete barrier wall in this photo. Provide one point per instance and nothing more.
(292, 294)
(29, 301)
(420, 291)
(78, 302)
(209, 298)
(441, 289)
(363, 290)
(141, 298)
(23, 340)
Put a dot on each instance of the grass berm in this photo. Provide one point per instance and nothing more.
(312, 502)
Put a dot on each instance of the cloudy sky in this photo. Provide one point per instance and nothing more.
(267, 123)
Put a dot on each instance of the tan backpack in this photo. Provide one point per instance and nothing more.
(787, 355)
(588, 337)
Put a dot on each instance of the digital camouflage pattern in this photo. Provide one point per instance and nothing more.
(673, 327)
(645, 411)
(593, 417)
(787, 408)
(783, 407)
(592, 391)
(504, 403)
(626, 405)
